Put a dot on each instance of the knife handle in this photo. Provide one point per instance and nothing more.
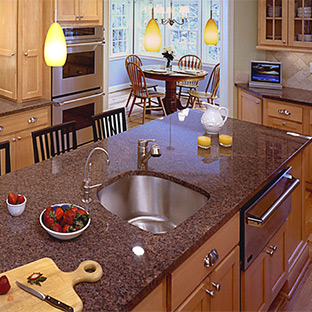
(58, 304)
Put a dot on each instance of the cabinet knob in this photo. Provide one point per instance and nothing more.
(81, 16)
(284, 41)
(1, 128)
(270, 252)
(257, 101)
(26, 54)
(212, 258)
(210, 292)
(217, 286)
(14, 140)
(77, 16)
(32, 120)
(283, 123)
(19, 138)
(12, 53)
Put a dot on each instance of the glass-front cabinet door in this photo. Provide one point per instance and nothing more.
(272, 22)
(300, 23)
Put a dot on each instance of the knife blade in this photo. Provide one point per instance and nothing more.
(52, 301)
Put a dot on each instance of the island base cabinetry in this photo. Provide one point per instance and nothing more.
(265, 277)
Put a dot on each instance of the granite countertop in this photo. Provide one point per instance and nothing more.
(292, 95)
(231, 176)
(8, 107)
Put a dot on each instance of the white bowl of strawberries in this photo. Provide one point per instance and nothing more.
(65, 221)
(16, 204)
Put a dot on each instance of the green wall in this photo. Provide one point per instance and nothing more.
(245, 38)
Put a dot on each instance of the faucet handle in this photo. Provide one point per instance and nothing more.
(145, 142)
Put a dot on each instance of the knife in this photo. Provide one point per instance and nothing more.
(53, 302)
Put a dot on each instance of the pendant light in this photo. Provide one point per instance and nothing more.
(55, 51)
(211, 35)
(152, 36)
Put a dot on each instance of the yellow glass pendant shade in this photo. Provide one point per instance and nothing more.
(211, 35)
(55, 51)
(152, 37)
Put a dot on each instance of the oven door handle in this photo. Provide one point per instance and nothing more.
(73, 45)
(56, 103)
(260, 221)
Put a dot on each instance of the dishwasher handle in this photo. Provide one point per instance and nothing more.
(260, 221)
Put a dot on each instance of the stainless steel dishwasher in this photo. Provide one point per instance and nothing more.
(264, 214)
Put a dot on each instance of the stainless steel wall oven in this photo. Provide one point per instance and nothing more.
(77, 87)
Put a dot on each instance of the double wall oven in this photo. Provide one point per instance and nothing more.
(77, 87)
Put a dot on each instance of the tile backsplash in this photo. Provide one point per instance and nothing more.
(296, 68)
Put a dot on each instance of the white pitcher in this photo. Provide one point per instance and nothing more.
(212, 120)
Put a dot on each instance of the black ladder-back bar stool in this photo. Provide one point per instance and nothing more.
(5, 157)
(109, 123)
(55, 140)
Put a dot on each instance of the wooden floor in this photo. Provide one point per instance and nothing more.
(302, 298)
(119, 99)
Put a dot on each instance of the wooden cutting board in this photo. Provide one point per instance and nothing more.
(58, 284)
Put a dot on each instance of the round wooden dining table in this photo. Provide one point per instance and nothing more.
(171, 102)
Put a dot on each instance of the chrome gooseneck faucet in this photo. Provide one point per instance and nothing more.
(144, 155)
(87, 169)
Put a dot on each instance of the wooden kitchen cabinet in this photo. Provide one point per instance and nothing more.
(80, 12)
(283, 25)
(265, 277)
(249, 107)
(19, 134)
(21, 49)
(188, 281)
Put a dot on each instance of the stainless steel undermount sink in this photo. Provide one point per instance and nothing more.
(151, 203)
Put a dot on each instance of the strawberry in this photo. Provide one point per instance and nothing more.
(47, 213)
(74, 210)
(4, 285)
(82, 212)
(12, 199)
(66, 228)
(68, 217)
(57, 227)
(59, 213)
(20, 199)
(48, 222)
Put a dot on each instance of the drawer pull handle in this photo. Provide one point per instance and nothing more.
(12, 53)
(32, 120)
(19, 138)
(284, 123)
(270, 252)
(217, 286)
(210, 292)
(212, 258)
(284, 41)
(273, 247)
(257, 101)
(284, 112)
(1, 128)
(81, 16)
(26, 54)
(14, 140)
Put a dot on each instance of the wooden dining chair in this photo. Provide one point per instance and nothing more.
(212, 86)
(190, 62)
(5, 160)
(55, 140)
(109, 123)
(141, 92)
(136, 59)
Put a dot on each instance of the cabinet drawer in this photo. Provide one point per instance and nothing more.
(25, 120)
(287, 125)
(285, 111)
(191, 272)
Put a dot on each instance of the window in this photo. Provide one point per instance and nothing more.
(121, 24)
(186, 38)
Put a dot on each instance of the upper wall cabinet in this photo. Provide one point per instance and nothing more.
(80, 12)
(21, 49)
(285, 25)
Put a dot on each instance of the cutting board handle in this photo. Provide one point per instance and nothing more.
(81, 274)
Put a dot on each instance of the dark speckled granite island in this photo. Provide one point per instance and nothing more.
(230, 176)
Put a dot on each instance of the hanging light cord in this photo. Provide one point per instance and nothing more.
(210, 9)
(55, 11)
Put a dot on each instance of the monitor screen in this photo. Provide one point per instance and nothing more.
(266, 72)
